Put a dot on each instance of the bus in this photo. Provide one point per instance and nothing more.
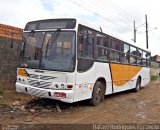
(71, 60)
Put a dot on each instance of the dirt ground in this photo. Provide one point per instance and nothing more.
(122, 108)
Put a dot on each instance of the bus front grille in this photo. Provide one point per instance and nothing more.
(36, 92)
(43, 77)
(39, 84)
(46, 77)
(34, 76)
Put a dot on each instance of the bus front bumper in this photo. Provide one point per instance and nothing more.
(61, 95)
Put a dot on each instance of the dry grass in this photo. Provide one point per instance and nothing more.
(9, 96)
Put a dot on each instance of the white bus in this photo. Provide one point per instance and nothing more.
(70, 61)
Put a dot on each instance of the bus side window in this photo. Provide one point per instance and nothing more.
(102, 46)
(81, 45)
(145, 57)
(133, 55)
(148, 56)
(114, 53)
(124, 53)
(85, 47)
(139, 57)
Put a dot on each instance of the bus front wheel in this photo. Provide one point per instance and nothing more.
(97, 94)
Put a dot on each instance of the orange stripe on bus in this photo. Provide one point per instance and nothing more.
(121, 74)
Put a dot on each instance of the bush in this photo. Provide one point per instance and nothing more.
(1, 90)
(153, 77)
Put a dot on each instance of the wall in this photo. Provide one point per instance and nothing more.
(10, 43)
(155, 69)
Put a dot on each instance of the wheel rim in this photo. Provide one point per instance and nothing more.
(138, 86)
(98, 94)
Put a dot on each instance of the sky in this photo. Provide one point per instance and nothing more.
(115, 16)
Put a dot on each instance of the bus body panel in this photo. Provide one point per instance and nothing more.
(131, 83)
(85, 81)
(125, 76)
(103, 71)
(145, 74)
(84, 84)
(40, 92)
(41, 84)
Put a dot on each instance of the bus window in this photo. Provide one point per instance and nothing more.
(105, 56)
(139, 53)
(148, 63)
(144, 54)
(114, 56)
(106, 41)
(115, 44)
(124, 58)
(146, 58)
(102, 47)
(99, 53)
(125, 48)
(125, 53)
(85, 48)
(100, 38)
(102, 53)
(139, 61)
(144, 62)
(133, 57)
(133, 50)
(103, 40)
(139, 57)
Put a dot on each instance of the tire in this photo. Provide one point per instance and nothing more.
(138, 85)
(97, 94)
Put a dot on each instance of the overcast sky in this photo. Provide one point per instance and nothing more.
(115, 16)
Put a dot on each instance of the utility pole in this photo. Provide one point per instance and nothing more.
(134, 35)
(146, 31)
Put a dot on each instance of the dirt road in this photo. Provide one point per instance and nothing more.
(122, 108)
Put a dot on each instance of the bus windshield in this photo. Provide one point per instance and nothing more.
(48, 50)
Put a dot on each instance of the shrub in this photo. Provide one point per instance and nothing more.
(153, 77)
(1, 90)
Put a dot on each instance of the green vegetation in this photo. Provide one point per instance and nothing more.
(1, 90)
(154, 78)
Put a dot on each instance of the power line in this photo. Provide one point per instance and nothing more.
(117, 11)
(110, 9)
(102, 15)
(122, 10)
(141, 25)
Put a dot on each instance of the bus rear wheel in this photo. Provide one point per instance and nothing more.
(97, 94)
(138, 85)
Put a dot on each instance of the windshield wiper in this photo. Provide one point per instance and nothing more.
(24, 41)
(30, 34)
(54, 36)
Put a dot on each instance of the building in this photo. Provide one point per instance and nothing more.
(155, 65)
(156, 58)
(10, 44)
